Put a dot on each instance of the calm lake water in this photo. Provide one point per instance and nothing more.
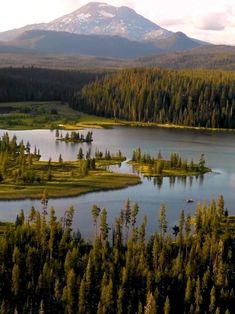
(218, 147)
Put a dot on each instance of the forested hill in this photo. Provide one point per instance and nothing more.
(198, 98)
(33, 84)
(201, 98)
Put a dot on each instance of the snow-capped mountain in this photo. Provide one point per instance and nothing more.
(104, 19)
(98, 29)
(101, 19)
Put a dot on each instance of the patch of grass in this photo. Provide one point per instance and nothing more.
(37, 115)
(65, 180)
(109, 162)
(91, 121)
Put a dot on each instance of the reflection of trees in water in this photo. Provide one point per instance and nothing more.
(201, 179)
(190, 181)
(184, 180)
(172, 181)
(158, 181)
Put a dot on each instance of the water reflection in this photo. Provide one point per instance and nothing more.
(158, 181)
(182, 180)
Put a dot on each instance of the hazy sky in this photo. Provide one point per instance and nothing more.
(210, 20)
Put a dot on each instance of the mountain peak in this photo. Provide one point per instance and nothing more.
(101, 18)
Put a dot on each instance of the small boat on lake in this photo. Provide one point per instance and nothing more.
(190, 200)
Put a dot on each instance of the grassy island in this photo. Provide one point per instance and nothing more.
(23, 175)
(174, 167)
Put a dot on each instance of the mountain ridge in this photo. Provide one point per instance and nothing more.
(92, 45)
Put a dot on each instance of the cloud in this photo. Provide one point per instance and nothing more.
(216, 21)
(172, 22)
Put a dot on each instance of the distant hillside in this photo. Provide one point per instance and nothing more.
(176, 42)
(211, 57)
(41, 41)
(199, 98)
(9, 48)
(92, 45)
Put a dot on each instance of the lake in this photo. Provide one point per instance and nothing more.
(218, 148)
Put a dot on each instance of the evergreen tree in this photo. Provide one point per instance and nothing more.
(162, 220)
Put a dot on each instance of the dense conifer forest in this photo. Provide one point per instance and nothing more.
(46, 267)
(199, 98)
(32, 84)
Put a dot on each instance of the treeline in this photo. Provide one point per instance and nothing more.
(32, 84)
(157, 164)
(19, 164)
(47, 268)
(75, 137)
(196, 98)
(16, 160)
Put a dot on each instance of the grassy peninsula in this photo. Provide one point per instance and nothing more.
(65, 185)
(23, 175)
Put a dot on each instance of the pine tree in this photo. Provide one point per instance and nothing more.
(104, 229)
(150, 307)
(167, 306)
(198, 296)
(60, 160)
(70, 293)
(95, 211)
(15, 279)
(212, 305)
(188, 291)
(162, 220)
(80, 154)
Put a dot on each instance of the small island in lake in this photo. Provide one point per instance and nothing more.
(75, 137)
(157, 166)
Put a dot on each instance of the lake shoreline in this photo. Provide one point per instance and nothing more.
(81, 126)
(72, 120)
(9, 200)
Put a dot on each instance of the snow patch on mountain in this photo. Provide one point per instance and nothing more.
(102, 5)
(106, 14)
(82, 17)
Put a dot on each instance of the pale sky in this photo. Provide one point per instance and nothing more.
(210, 20)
